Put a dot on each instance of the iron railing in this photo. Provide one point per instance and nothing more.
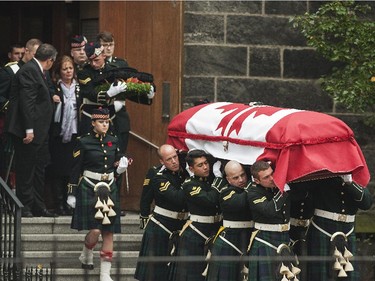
(10, 232)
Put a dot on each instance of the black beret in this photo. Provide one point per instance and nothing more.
(93, 49)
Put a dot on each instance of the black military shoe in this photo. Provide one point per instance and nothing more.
(46, 213)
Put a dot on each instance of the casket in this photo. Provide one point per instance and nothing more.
(300, 144)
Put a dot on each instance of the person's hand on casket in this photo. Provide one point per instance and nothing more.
(216, 169)
(116, 89)
(286, 187)
(188, 170)
(347, 179)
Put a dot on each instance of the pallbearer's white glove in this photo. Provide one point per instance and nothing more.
(216, 169)
(71, 201)
(188, 170)
(151, 94)
(286, 187)
(115, 90)
(123, 165)
(347, 178)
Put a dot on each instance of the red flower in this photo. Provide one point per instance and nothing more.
(109, 143)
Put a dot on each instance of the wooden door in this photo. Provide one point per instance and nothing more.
(149, 35)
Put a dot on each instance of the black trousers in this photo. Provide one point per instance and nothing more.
(31, 160)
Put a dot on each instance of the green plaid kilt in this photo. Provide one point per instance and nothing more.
(228, 270)
(318, 244)
(266, 270)
(192, 244)
(84, 212)
(155, 242)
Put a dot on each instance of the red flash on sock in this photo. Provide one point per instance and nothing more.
(106, 255)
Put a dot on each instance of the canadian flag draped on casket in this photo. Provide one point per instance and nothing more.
(300, 144)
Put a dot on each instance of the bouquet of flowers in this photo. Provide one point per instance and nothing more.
(134, 88)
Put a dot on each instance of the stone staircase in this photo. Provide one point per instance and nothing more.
(46, 240)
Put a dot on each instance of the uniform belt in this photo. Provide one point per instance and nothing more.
(299, 222)
(98, 176)
(238, 224)
(334, 216)
(272, 227)
(171, 214)
(206, 219)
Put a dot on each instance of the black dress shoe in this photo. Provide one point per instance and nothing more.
(46, 213)
(26, 214)
(87, 266)
(60, 211)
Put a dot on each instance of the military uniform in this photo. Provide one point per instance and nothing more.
(336, 204)
(147, 196)
(90, 80)
(6, 76)
(93, 162)
(301, 212)
(169, 215)
(271, 213)
(232, 239)
(205, 220)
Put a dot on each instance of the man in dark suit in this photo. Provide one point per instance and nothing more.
(28, 121)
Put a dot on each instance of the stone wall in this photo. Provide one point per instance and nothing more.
(242, 51)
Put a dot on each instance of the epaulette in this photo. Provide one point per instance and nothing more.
(11, 63)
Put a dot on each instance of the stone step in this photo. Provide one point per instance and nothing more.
(51, 241)
(69, 259)
(70, 242)
(121, 274)
(61, 225)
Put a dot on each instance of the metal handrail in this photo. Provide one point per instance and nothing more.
(144, 140)
(10, 223)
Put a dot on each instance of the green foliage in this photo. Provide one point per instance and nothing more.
(341, 33)
(135, 88)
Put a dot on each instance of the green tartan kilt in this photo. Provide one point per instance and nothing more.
(192, 244)
(155, 242)
(318, 244)
(84, 212)
(229, 270)
(266, 270)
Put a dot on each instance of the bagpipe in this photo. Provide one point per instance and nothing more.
(139, 84)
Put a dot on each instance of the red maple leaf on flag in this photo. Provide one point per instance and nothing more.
(242, 112)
